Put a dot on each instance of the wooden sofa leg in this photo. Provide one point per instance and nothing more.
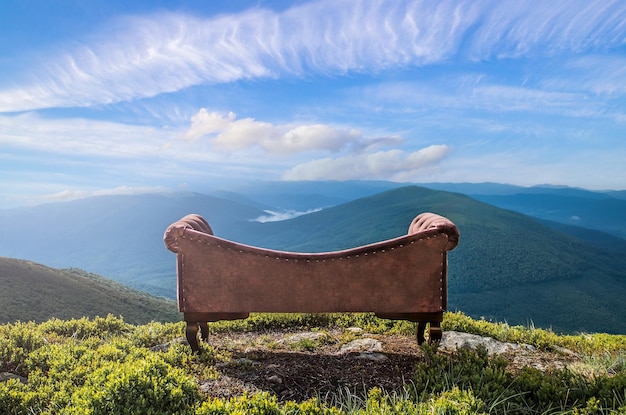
(435, 333)
(192, 336)
(204, 331)
(420, 330)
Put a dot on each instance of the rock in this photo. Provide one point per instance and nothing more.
(354, 330)
(275, 379)
(226, 387)
(243, 361)
(376, 357)
(4, 376)
(166, 346)
(296, 338)
(362, 345)
(452, 340)
(564, 351)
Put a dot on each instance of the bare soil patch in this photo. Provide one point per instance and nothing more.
(301, 369)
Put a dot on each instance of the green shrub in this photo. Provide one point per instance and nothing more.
(530, 391)
(101, 327)
(277, 321)
(17, 399)
(17, 341)
(454, 401)
(152, 334)
(145, 385)
(259, 404)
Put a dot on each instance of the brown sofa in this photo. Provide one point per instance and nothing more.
(400, 278)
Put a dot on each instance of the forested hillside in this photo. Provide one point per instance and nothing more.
(507, 265)
(33, 292)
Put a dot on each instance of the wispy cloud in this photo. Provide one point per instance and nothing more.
(273, 216)
(512, 29)
(121, 190)
(463, 93)
(601, 75)
(166, 52)
(78, 136)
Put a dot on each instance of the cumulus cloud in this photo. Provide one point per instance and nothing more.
(143, 56)
(227, 133)
(390, 165)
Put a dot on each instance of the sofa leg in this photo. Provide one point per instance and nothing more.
(435, 333)
(192, 336)
(420, 330)
(204, 331)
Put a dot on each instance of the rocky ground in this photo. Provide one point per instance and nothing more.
(301, 365)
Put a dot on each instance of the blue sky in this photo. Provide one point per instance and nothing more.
(106, 97)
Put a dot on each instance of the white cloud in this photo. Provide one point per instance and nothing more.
(145, 56)
(78, 136)
(227, 133)
(512, 28)
(461, 94)
(602, 75)
(273, 216)
(390, 165)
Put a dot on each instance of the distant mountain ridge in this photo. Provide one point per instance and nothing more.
(508, 266)
(596, 210)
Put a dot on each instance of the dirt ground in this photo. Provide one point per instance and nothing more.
(301, 365)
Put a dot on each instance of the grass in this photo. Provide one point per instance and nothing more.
(93, 366)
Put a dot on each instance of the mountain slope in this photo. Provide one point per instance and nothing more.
(595, 210)
(600, 213)
(487, 232)
(120, 237)
(30, 291)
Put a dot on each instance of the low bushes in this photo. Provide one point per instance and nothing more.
(105, 366)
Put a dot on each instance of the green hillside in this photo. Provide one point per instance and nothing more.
(507, 266)
(119, 237)
(33, 292)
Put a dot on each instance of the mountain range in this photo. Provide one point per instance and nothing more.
(543, 270)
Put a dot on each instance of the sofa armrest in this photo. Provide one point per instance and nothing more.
(433, 222)
(177, 229)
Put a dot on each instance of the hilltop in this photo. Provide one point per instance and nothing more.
(306, 364)
(34, 292)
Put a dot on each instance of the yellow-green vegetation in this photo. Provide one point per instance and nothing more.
(107, 366)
